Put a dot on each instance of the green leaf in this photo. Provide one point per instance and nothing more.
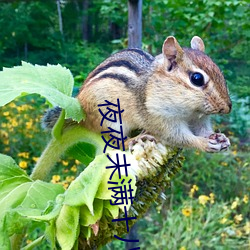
(6, 186)
(105, 193)
(9, 168)
(46, 216)
(14, 198)
(83, 189)
(86, 231)
(114, 210)
(4, 240)
(67, 226)
(86, 218)
(14, 223)
(20, 197)
(83, 152)
(9, 220)
(39, 194)
(53, 82)
(50, 234)
(93, 183)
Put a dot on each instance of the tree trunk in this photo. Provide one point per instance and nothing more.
(132, 236)
(85, 20)
(59, 16)
(135, 23)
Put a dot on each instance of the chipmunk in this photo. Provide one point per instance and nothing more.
(170, 96)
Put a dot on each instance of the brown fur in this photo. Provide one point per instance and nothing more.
(157, 95)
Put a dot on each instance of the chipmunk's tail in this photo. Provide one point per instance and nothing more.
(50, 117)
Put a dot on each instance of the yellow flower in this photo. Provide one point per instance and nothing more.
(183, 248)
(28, 241)
(6, 141)
(23, 107)
(14, 123)
(187, 211)
(211, 195)
(235, 203)
(77, 162)
(4, 134)
(73, 168)
(12, 105)
(35, 159)
(65, 163)
(23, 164)
(203, 199)
(65, 185)
(193, 190)
(55, 178)
(238, 218)
(234, 152)
(29, 124)
(70, 178)
(24, 154)
(247, 227)
(197, 242)
(245, 199)
(6, 113)
(224, 164)
(223, 220)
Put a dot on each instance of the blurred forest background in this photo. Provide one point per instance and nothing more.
(208, 204)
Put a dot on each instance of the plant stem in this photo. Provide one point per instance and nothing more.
(57, 147)
(52, 153)
(16, 240)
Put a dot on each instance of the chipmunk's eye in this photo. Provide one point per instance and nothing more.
(197, 79)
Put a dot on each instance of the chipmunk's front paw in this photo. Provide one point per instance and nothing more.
(141, 139)
(217, 142)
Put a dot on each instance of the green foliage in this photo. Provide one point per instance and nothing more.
(201, 223)
(83, 152)
(81, 58)
(232, 166)
(19, 198)
(238, 121)
(52, 82)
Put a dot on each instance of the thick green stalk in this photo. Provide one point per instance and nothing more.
(16, 240)
(52, 153)
(58, 146)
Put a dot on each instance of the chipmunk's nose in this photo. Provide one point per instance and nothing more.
(227, 108)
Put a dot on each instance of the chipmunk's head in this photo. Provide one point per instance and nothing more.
(198, 77)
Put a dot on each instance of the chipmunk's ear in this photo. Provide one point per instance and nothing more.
(197, 43)
(171, 49)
